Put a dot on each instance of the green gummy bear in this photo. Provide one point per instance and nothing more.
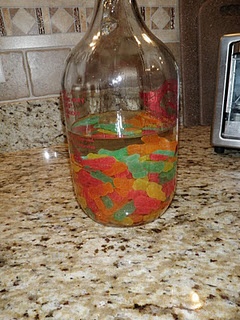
(136, 167)
(107, 202)
(125, 211)
(90, 213)
(167, 176)
(165, 153)
(154, 166)
(86, 121)
(101, 176)
(106, 126)
(140, 169)
(117, 154)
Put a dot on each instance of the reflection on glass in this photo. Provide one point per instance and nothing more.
(232, 113)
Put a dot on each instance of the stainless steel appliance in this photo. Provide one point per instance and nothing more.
(226, 121)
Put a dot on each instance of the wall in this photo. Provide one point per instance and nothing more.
(35, 39)
(203, 23)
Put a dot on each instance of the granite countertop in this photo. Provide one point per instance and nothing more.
(56, 263)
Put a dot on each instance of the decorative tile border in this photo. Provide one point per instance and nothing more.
(22, 18)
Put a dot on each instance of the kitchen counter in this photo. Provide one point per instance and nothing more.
(56, 263)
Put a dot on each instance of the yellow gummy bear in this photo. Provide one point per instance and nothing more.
(168, 166)
(154, 190)
(106, 132)
(127, 221)
(82, 202)
(95, 156)
(140, 184)
(76, 167)
(144, 158)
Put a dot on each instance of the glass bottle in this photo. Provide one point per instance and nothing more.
(120, 96)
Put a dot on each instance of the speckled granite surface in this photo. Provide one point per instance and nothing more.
(31, 124)
(55, 263)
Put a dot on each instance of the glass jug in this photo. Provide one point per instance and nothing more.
(120, 96)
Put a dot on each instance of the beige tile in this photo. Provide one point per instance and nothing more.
(16, 85)
(47, 20)
(45, 3)
(41, 41)
(61, 20)
(89, 13)
(23, 20)
(46, 69)
(7, 21)
(148, 17)
(83, 20)
(160, 18)
(157, 3)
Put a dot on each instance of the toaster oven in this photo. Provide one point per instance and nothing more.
(226, 118)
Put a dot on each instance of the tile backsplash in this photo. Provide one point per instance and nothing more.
(31, 17)
(35, 39)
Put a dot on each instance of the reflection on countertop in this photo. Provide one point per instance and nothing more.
(56, 263)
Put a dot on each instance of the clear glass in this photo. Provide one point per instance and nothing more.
(120, 96)
(232, 110)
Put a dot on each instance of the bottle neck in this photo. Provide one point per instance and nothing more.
(110, 14)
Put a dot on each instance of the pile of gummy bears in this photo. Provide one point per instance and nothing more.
(129, 186)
